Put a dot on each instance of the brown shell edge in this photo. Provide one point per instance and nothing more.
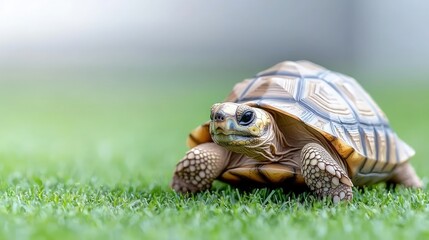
(199, 135)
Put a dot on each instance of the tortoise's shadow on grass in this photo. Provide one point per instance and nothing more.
(250, 196)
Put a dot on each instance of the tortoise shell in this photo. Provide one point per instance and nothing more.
(331, 103)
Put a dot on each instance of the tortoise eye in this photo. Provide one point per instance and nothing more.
(246, 118)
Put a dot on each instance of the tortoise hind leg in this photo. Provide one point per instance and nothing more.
(199, 168)
(323, 175)
(405, 175)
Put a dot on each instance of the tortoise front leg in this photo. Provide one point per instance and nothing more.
(199, 168)
(323, 175)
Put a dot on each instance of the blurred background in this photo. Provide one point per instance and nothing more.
(107, 91)
(365, 36)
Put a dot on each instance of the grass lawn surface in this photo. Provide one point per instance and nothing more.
(90, 156)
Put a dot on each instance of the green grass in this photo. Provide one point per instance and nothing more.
(93, 160)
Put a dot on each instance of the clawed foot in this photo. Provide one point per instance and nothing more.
(323, 175)
(198, 169)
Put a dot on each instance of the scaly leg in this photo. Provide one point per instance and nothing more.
(199, 168)
(405, 175)
(323, 174)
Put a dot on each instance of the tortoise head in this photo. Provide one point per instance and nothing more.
(235, 125)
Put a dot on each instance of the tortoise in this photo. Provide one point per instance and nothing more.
(297, 126)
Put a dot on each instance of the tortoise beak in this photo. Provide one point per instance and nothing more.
(225, 126)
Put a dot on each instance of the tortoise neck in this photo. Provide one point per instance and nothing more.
(274, 147)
